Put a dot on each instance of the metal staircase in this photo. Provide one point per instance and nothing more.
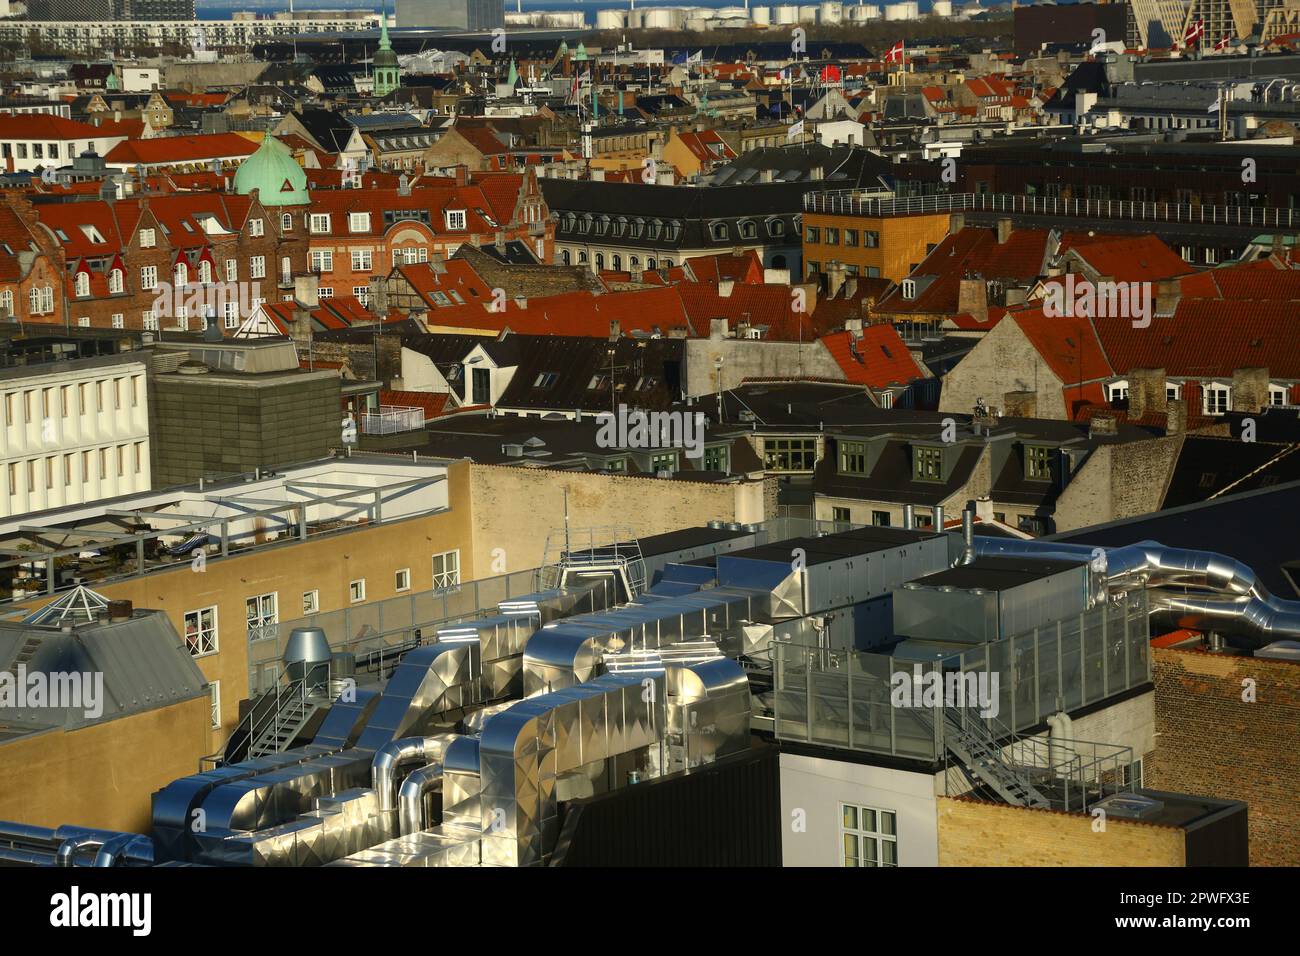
(272, 724)
(978, 744)
(590, 552)
(284, 725)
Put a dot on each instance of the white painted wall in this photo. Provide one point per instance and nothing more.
(819, 787)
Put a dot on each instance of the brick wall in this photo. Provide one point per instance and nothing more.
(1118, 481)
(1002, 362)
(973, 833)
(1212, 742)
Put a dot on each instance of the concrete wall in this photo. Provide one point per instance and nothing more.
(973, 833)
(515, 509)
(813, 790)
(1003, 361)
(46, 779)
(1212, 742)
(750, 358)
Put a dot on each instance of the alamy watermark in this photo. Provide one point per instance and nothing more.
(635, 428)
(1077, 297)
(211, 299)
(932, 689)
(70, 690)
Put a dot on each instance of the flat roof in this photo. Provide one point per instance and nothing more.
(997, 573)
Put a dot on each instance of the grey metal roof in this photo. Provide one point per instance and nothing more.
(142, 659)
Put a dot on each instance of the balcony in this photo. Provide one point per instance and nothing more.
(392, 419)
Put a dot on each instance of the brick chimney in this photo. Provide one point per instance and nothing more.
(973, 297)
(1168, 292)
(1100, 425)
(718, 328)
(956, 222)
(1020, 404)
(834, 279)
(1004, 231)
(1146, 392)
(462, 175)
(615, 330)
(1249, 389)
(1176, 416)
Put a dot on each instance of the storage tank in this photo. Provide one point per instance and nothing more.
(635, 19)
(787, 14)
(661, 18)
(731, 13)
(808, 14)
(861, 13)
(760, 16)
(941, 8)
(830, 13)
(610, 20)
(899, 11)
(699, 24)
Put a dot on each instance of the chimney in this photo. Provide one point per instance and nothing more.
(1249, 389)
(816, 174)
(718, 328)
(1020, 404)
(1146, 392)
(854, 327)
(834, 278)
(119, 610)
(765, 175)
(598, 175)
(306, 290)
(726, 287)
(403, 185)
(1176, 416)
(973, 298)
(1100, 425)
(615, 330)
(1168, 291)
(1004, 231)
(462, 175)
(956, 222)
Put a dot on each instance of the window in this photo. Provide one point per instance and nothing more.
(872, 239)
(813, 234)
(232, 270)
(261, 611)
(201, 631)
(118, 320)
(853, 457)
(310, 602)
(256, 227)
(402, 580)
(446, 570)
(1117, 392)
(456, 219)
(869, 836)
(362, 260)
(909, 288)
(790, 454)
(717, 458)
(666, 461)
(149, 321)
(1278, 395)
(286, 222)
(851, 238)
(831, 237)
(318, 223)
(357, 590)
(1038, 463)
(359, 222)
(116, 282)
(214, 694)
(322, 260)
(880, 519)
(1173, 392)
(1217, 398)
(148, 239)
(840, 514)
(325, 292)
(205, 272)
(257, 267)
(928, 464)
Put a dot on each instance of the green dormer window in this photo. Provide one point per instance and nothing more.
(1038, 463)
(928, 464)
(853, 458)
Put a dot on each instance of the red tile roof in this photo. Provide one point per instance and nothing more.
(44, 126)
(433, 403)
(181, 149)
(879, 358)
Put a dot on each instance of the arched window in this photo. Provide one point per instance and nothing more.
(564, 256)
(180, 275)
(582, 258)
(205, 272)
(286, 222)
(116, 281)
(748, 230)
(82, 283)
(600, 262)
(618, 263)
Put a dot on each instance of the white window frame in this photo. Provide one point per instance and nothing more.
(359, 222)
(148, 239)
(232, 270)
(357, 591)
(402, 579)
(262, 618)
(214, 696)
(363, 260)
(1276, 392)
(1117, 391)
(257, 267)
(148, 278)
(198, 621)
(875, 837)
(311, 601)
(81, 284)
(322, 260)
(448, 578)
(256, 227)
(116, 282)
(1216, 388)
(457, 220)
(318, 223)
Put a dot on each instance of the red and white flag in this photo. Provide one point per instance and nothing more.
(895, 53)
(1223, 44)
(1194, 32)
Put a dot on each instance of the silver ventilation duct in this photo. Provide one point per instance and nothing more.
(412, 817)
(1198, 589)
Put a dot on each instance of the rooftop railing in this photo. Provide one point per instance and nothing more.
(853, 202)
(392, 419)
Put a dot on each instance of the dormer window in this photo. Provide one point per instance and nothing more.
(1038, 463)
(116, 282)
(909, 289)
(359, 222)
(776, 227)
(1279, 396)
(748, 230)
(1117, 391)
(318, 223)
(928, 464)
(1216, 398)
(456, 220)
(853, 458)
(718, 230)
(82, 284)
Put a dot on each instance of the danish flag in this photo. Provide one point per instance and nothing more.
(895, 53)
(1223, 44)
(1194, 32)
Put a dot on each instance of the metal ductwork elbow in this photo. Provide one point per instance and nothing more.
(389, 758)
(410, 800)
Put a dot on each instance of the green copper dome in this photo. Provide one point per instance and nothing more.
(274, 173)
